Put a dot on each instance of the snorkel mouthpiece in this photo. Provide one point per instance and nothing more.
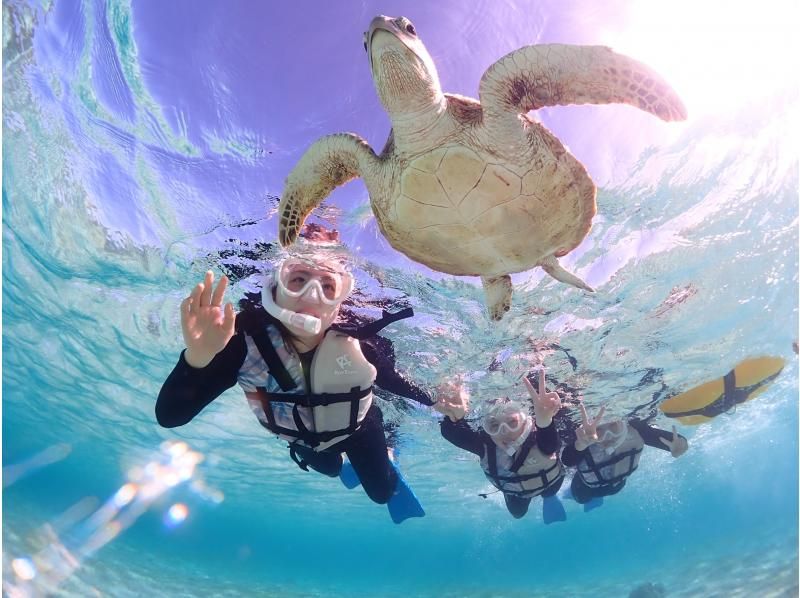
(303, 324)
(308, 323)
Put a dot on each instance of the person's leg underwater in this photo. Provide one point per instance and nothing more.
(329, 464)
(516, 505)
(368, 456)
(552, 509)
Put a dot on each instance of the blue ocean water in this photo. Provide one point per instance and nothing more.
(144, 144)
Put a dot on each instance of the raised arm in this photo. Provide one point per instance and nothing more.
(211, 361)
(461, 435)
(545, 406)
(585, 436)
(188, 390)
(673, 442)
(380, 353)
(452, 401)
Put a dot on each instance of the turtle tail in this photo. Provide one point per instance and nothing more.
(498, 291)
(553, 268)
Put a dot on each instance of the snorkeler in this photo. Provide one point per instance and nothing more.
(518, 453)
(606, 454)
(308, 380)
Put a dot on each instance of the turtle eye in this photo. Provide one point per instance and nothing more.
(404, 23)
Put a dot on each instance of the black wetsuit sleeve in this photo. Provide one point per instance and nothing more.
(188, 390)
(460, 434)
(547, 439)
(572, 456)
(379, 352)
(652, 436)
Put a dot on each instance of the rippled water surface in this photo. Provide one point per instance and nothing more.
(144, 144)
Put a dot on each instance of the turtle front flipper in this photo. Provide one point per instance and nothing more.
(498, 291)
(553, 268)
(331, 161)
(557, 75)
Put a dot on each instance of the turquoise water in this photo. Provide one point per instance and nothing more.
(142, 147)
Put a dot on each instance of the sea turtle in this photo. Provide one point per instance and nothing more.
(475, 188)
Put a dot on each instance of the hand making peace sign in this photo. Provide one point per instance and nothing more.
(586, 433)
(545, 404)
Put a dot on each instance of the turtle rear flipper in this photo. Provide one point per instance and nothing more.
(498, 291)
(553, 268)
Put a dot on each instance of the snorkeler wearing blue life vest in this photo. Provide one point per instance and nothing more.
(307, 379)
(518, 452)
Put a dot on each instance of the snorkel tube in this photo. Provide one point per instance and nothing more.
(301, 324)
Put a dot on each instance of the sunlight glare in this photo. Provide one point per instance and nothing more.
(718, 55)
(176, 515)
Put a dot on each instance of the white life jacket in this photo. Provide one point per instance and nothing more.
(340, 395)
(599, 469)
(526, 473)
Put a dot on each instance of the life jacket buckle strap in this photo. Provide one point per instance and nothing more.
(270, 356)
(375, 327)
(302, 464)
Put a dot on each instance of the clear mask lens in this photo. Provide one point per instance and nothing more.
(612, 432)
(503, 419)
(612, 436)
(313, 282)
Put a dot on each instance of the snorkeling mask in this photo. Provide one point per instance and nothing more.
(499, 418)
(611, 435)
(315, 281)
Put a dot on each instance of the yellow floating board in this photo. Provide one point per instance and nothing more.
(744, 382)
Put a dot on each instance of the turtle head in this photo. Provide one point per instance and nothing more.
(404, 74)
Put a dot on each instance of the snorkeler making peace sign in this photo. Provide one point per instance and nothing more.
(545, 404)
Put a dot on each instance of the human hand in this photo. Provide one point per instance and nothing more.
(452, 399)
(586, 433)
(545, 404)
(207, 326)
(677, 445)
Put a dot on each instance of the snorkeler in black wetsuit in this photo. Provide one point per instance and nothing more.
(480, 443)
(518, 452)
(605, 455)
(272, 358)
